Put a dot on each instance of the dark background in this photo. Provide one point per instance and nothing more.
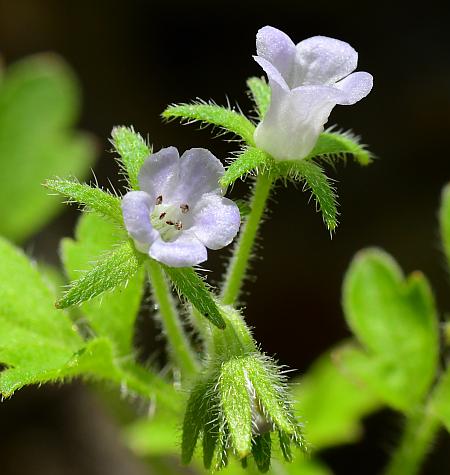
(135, 57)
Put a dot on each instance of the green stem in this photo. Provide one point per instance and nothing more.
(180, 348)
(421, 429)
(239, 263)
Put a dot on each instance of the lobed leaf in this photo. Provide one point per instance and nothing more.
(132, 150)
(261, 94)
(116, 269)
(332, 403)
(396, 322)
(212, 114)
(113, 317)
(250, 160)
(317, 182)
(39, 103)
(338, 146)
(193, 288)
(104, 203)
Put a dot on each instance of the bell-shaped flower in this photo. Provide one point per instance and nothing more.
(307, 80)
(180, 210)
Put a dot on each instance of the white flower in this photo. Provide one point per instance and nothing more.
(180, 211)
(307, 80)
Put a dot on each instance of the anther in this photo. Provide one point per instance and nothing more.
(184, 208)
(179, 225)
(159, 200)
(161, 216)
(170, 223)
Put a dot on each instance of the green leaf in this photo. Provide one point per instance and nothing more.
(113, 317)
(250, 160)
(194, 419)
(396, 322)
(317, 182)
(36, 340)
(440, 401)
(132, 149)
(113, 270)
(332, 146)
(261, 94)
(193, 288)
(212, 114)
(104, 203)
(236, 405)
(262, 451)
(39, 103)
(333, 404)
(444, 219)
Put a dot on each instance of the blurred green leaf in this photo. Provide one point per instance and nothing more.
(103, 202)
(316, 181)
(396, 322)
(39, 104)
(331, 405)
(444, 218)
(132, 150)
(111, 271)
(260, 93)
(440, 401)
(39, 344)
(211, 114)
(114, 316)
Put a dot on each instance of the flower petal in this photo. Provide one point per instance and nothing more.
(200, 172)
(275, 77)
(323, 60)
(185, 251)
(216, 221)
(136, 208)
(355, 87)
(160, 172)
(277, 48)
(294, 121)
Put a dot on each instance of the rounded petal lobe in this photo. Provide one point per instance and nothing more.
(160, 172)
(200, 172)
(355, 87)
(323, 60)
(185, 251)
(136, 208)
(277, 48)
(216, 221)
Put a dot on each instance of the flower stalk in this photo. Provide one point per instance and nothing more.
(178, 343)
(239, 263)
(421, 429)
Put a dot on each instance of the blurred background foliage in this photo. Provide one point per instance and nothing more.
(134, 58)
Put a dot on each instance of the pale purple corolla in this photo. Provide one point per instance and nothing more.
(307, 80)
(180, 210)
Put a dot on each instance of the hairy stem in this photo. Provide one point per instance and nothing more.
(179, 346)
(421, 429)
(242, 252)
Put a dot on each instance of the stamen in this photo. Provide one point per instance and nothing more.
(179, 225)
(159, 200)
(184, 208)
(161, 216)
(170, 223)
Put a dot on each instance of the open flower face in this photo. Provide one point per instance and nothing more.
(307, 80)
(180, 210)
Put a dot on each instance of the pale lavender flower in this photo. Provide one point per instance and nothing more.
(180, 210)
(307, 80)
